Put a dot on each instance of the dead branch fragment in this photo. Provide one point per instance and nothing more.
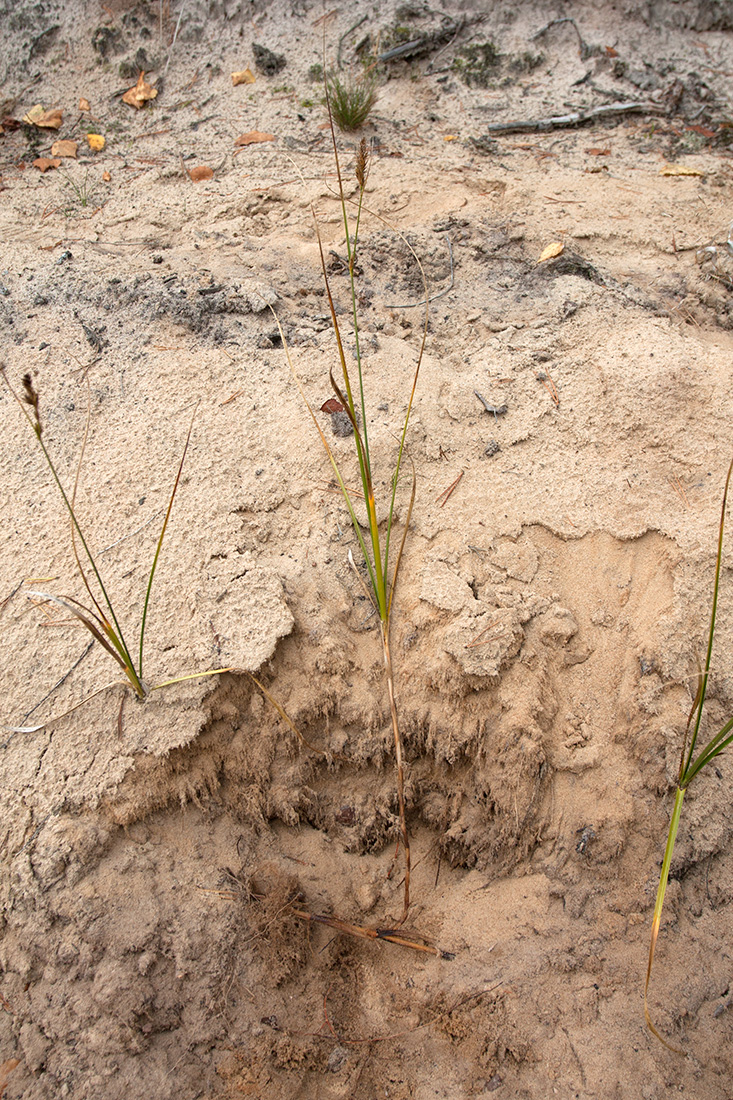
(575, 118)
(497, 410)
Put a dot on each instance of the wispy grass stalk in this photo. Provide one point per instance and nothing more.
(690, 766)
(382, 566)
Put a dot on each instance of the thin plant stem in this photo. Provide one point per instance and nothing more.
(658, 906)
(160, 543)
(399, 764)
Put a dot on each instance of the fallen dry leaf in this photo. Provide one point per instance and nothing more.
(84, 104)
(140, 94)
(203, 172)
(95, 142)
(106, 176)
(332, 406)
(253, 137)
(64, 148)
(551, 251)
(6, 1068)
(245, 77)
(679, 170)
(49, 120)
(44, 163)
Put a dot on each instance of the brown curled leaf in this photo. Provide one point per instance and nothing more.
(253, 138)
(202, 172)
(44, 163)
(64, 148)
(47, 120)
(332, 406)
(140, 94)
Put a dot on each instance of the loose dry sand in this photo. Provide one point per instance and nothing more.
(550, 611)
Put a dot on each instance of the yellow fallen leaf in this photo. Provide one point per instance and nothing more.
(63, 148)
(140, 94)
(203, 172)
(84, 104)
(49, 120)
(551, 251)
(96, 142)
(245, 77)
(44, 163)
(679, 170)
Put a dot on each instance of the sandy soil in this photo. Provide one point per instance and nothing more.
(550, 611)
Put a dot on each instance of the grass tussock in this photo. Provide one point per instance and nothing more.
(99, 616)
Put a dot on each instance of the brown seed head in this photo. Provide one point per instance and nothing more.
(362, 163)
(30, 396)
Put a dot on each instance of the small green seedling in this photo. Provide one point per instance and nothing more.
(82, 190)
(100, 619)
(690, 766)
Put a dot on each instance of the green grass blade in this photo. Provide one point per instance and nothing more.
(393, 584)
(77, 479)
(686, 776)
(160, 544)
(379, 583)
(658, 906)
(329, 452)
(87, 551)
(714, 747)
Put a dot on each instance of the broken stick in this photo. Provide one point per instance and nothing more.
(575, 118)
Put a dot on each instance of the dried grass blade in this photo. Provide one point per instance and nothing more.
(64, 714)
(100, 630)
(286, 717)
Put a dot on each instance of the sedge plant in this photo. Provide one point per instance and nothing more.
(692, 762)
(377, 537)
(99, 618)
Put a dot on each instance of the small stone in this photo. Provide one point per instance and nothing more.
(337, 1059)
(341, 425)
